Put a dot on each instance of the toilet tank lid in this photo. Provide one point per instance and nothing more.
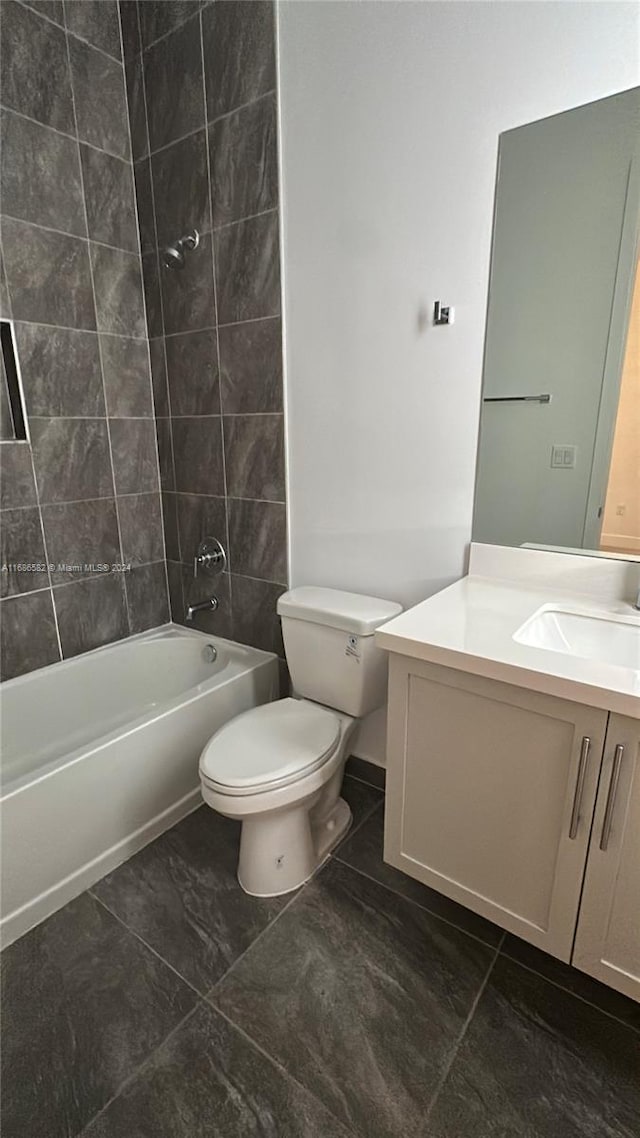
(350, 612)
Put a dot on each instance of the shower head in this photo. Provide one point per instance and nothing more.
(173, 256)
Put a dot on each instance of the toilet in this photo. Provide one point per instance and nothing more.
(279, 767)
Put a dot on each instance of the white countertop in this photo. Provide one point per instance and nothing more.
(470, 626)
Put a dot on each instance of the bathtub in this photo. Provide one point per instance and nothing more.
(100, 755)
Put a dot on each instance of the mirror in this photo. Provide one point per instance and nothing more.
(559, 452)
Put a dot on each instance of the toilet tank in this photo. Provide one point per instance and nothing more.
(330, 647)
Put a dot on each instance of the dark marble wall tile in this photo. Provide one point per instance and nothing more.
(134, 84)
(187, 295)
(54, 9)
(192, 366)
(141, 528)
(71, 459)
(197, 452)
(170, 526)
(162, 16)
(5, 303)
(373, 1040)
(537, 1061)
(100, 101)
(239, 53)
(131, 42)
(165, 454)
(181, 189)
(364, 771)
(118, 288)
(108, 188)
(258, 539)
(35, 68)
(255, 620)
(248, 269)
(147, 597)
(208, 1070)
(96, 21)
(173, 71)
(152, 294)
(21, 544)
(144, 198)
(199, 516)
(75, 1031)
(251, 367)
(127, 382)
(135, 458)
(17, 487)
(159, 377)
(49, 276)
(91, 613)
(81, 535)
(243, 151)
(7, 427)
(29, 641)
(60, 371)
(254, 453)
(40, 175)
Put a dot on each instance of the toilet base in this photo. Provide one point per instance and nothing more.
(282, 850)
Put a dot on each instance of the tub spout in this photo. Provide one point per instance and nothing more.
(210, 605)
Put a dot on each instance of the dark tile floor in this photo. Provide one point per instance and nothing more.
(165, 1003)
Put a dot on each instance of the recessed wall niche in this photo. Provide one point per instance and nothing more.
(13, 424)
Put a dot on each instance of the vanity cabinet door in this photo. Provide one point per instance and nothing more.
(490, 796)
(608, 937)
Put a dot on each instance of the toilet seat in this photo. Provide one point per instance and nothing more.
(270, 746)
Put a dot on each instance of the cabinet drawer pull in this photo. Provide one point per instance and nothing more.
(611, 796)
(577, 798)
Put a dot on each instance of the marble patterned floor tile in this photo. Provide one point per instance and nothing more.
(538, 1063)
(83, 1004)
(207, 1080)
(181, 895)
(361, 996)
(364, 852)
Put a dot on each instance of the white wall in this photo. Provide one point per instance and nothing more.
(390, 115)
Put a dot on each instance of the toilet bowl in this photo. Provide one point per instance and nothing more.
(279, 767)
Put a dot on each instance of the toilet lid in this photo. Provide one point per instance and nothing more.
(270, 744)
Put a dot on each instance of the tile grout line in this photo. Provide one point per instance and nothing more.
(63, 133)
(146, 317)
(461, 1036)
(138, 1070)
(165, 35)
(210, 994)
(140, 938)
(207, 122)
(95, 306)
(84, 331)
(416, 904)
(253, 1043)
(67, 31)
(596, 1007)
(76, 236)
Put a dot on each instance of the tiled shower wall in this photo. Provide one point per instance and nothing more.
(201, 80)
(85, 491)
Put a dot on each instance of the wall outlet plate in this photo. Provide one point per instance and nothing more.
(563, 457)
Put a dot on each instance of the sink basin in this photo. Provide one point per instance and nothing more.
(609, 639)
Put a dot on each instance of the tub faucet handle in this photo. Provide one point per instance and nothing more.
(210, 558)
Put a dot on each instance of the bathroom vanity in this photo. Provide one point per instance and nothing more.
(513, 755)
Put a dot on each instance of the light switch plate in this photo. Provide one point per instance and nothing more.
(563, 457)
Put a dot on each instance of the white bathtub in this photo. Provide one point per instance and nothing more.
(100, 755)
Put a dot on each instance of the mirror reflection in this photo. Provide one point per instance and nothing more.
(559, 452)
